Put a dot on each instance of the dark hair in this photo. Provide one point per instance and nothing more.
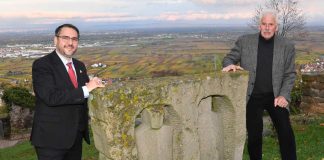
(59, 28)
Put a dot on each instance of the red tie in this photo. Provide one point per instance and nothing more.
(72, 75)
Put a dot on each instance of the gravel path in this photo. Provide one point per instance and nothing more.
(8, 143)
(16, 139)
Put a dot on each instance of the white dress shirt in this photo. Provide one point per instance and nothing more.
(65, 61)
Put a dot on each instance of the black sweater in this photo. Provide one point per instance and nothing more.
(263, 80)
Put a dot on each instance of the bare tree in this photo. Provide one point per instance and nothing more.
(292, 20)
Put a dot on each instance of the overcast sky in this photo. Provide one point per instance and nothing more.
(37, 14)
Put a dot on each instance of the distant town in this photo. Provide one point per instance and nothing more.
(26, 51)
(34, 45)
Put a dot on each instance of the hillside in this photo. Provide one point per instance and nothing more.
(140, 53)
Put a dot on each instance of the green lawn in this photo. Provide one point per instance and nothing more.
(309, 136)
(25, 151)
(308, 131)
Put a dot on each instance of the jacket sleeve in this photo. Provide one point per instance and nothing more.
(47, 89)
(234, 56)
(289, 73)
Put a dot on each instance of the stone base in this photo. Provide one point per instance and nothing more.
(312, 108)
(196, 117)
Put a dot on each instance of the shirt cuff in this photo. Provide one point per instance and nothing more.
(85, 91)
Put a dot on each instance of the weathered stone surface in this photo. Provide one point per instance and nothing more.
(20, 118)
(4, 126)
(153, 139)
(308, 99)
(196, 117)
(320, 108)
(320, 77)
(309, 77)
(319, 99)
(305, 106)
(313, 93)
(314, 84)
(321, 93)
(313, 108)
(153, 116)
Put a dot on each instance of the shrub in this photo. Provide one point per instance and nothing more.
(296, 95)
(18, 96)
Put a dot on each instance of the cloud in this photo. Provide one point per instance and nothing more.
(312, 8)
(61, 5)
(191, 16)
(64, 15)
(166, 2)
(226, 2)
(115, 19)
(43, 20)
(55, 17)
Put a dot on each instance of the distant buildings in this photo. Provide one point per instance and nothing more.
(25, 50)
(317, 66)
(96, 65)
(14, 73)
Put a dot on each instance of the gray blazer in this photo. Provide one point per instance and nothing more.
(283, 67)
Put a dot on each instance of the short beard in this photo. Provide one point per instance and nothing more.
(66, 55)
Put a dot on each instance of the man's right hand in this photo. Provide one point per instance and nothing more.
(232, 67)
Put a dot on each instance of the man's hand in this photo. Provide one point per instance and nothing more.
(232, 67)
(94, 83)
(280, 101)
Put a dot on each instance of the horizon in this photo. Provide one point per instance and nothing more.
(100, 29)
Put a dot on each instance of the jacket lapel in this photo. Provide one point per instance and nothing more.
(79, 73)
(254, 50)
(277, 55)
(61, 69)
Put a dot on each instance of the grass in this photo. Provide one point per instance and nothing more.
(25, 151)
(308, 131)
(309, 139)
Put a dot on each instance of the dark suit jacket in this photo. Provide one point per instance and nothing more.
(245, 52)
(60, 108)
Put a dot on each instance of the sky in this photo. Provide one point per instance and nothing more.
(18, 15)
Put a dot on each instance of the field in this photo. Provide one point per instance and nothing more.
(144, 54)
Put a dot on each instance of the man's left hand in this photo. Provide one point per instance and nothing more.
(94, 83)
(281, 102)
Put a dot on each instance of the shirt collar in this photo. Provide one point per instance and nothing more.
(64, 59)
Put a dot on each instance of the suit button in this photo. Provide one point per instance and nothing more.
(252, 84)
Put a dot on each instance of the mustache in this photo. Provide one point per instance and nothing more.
(69, 45)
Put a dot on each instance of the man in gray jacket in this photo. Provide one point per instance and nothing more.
(270, 60)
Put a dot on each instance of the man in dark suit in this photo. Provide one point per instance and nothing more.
(270, 60)
(61, 87)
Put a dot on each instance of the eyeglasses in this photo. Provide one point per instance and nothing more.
(67, 38)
